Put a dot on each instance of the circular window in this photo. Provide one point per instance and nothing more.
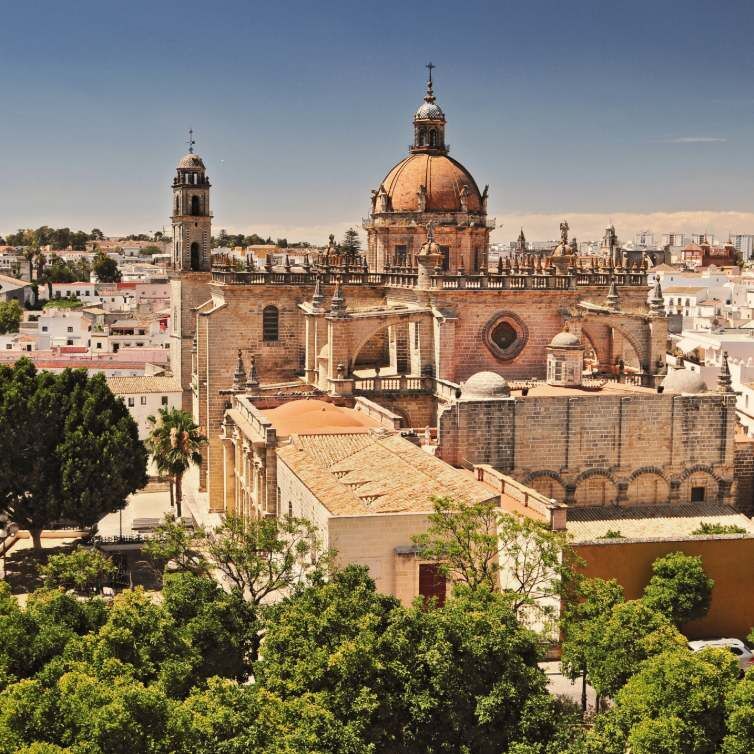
(505, 335)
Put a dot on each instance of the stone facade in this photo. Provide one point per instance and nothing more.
(635, 448)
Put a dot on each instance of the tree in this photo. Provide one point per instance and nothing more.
(463, 540)
(83, 569)
(69, 449)
(105, 268)
(674, 704)
(147, 251)
(622, 639)
(175, 547)
(174, 442)
(10, 316)
(96, 235)
(217, 624)
(481, 546)
(582, 619)
(679, 587)
(739, 707)
(351, 243)
(463, 677)
(258, 558)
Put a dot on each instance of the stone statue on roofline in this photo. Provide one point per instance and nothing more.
(563, 249)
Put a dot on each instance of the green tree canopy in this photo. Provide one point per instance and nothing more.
(351, 244)
(83, 569)
(259, 559)
(676, 702)
(463, 677)
(105, 268)
(582, 620)
(10, 316)
(69, 449)
(622, 639)
(679, 587)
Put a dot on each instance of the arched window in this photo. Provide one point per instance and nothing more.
(433, 138)
(176, 205)
(422, 138)
(195, 256)
(270, 323)
(195, 209)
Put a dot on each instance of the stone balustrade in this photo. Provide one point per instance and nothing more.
(407, 277)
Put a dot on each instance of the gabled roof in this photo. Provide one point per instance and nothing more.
(374, 473)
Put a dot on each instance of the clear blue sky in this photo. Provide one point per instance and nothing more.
(300, 108)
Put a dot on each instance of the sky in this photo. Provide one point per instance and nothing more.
(635, 112)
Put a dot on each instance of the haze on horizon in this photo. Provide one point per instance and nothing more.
(637, 113)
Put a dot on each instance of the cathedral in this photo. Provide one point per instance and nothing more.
(545, 370)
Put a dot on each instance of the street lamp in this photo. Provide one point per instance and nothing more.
(3, 536)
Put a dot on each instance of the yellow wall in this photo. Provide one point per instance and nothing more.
(371, 541)
(729, 561)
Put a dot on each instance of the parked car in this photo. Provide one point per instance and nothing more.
(742, 652)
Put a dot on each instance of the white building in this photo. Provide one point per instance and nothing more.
(145, 396)
(65, 327)
(645, 238)
(744, 244)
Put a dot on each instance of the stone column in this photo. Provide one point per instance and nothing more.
(229, 488)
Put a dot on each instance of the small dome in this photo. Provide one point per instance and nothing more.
(429, 111)
(565, 339)
(191, 162)
(684, 381)
(484, 385)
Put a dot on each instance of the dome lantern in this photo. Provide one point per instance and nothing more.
(429, 123)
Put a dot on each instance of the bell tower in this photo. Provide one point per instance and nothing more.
(192, 220)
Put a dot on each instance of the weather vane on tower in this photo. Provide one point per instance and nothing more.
(191, 141)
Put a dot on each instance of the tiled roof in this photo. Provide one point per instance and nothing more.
(7, 280)
(131, 385)
(694, 289)
(651, 521)
(372, 473)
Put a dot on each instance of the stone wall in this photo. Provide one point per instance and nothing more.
(600, 449)
(744, 473)
(541, 312)
(416, 411)
(186, 293)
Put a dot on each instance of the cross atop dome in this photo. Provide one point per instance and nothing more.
(191, 141)
(429, 97)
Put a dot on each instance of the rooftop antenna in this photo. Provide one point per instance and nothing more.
(191, 141)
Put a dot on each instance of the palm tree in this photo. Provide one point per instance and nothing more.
(174, 442)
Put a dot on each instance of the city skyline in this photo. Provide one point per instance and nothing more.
(299, 115)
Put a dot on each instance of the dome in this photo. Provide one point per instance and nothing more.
(444, 179)
(429, 111)
(191, 162)
(565, 339)
(684, 381)
(484, 385)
